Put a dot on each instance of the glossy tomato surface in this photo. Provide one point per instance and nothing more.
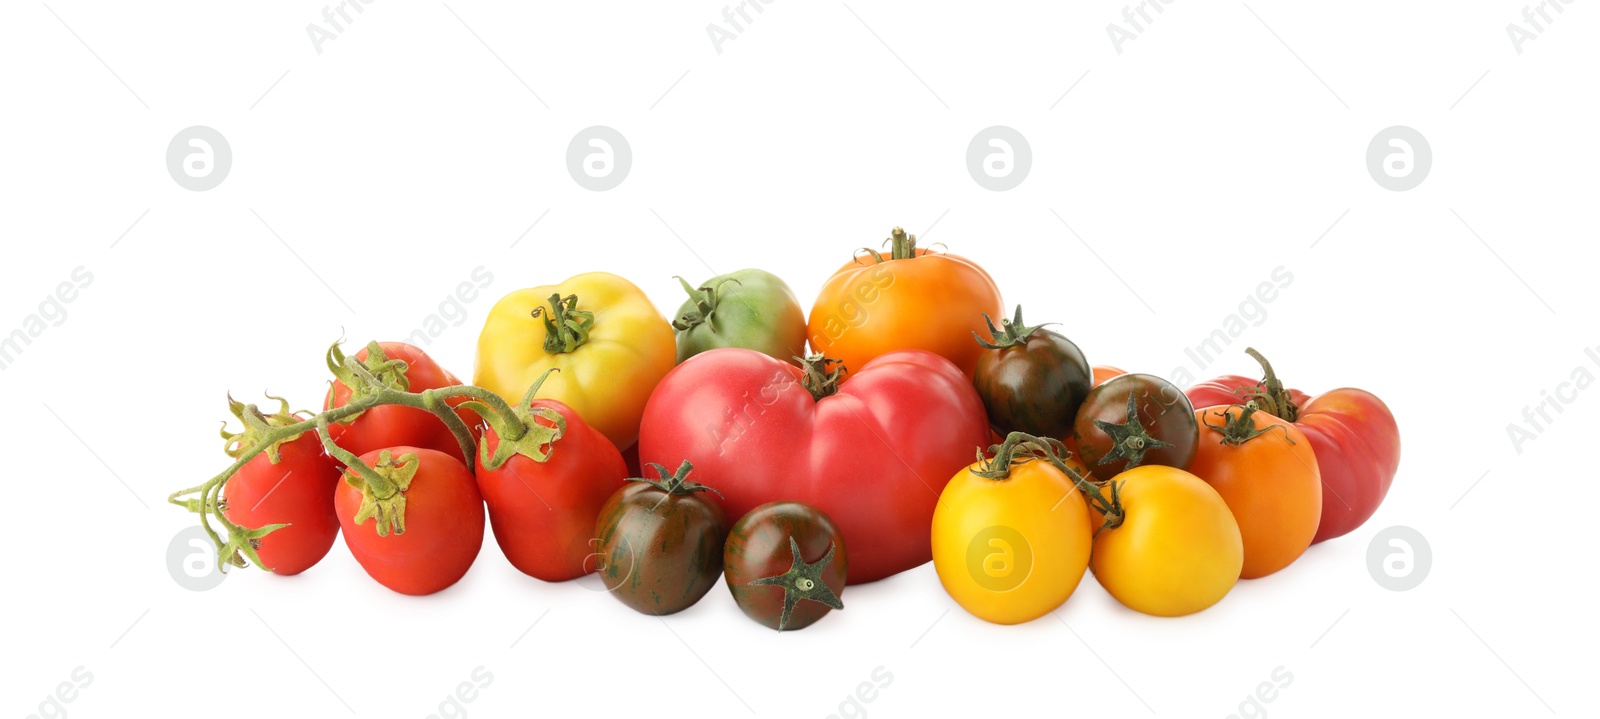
(772, 584)
(443, 523)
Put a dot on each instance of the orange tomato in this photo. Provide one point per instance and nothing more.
(909, 299)
(1265, 470)
(1105, 372)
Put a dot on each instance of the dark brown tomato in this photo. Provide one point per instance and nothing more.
(1031, 379)
(786, 565)
(1133, 420)
(660, 542)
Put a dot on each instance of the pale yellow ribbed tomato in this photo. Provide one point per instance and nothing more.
(1178, 549)
(610, 343)
(1011, 550)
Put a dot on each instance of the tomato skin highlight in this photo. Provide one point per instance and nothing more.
(1354, 436)
(1270, 483)
(444, 520)
(1162, 411)
(873, 457)
(298, 491)
(1178, 550)
(1011, 550)
(393, 425)
(607, 378)
(927, 301)
(659, 553)
(543, 513)
(758, 547)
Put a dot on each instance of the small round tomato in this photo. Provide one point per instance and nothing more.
(421, 531)
(660, 542)
(290, 483)
(1105, 372)
(1265, 470)
(399, 366)
(1133, 420)
(785, 563)
(1011, 536)
(753, 309)
(1031, 380)
(545, 488)
(1176, 549)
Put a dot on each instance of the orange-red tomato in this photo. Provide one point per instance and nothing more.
(1265, 470)
(910, 299)
(1105, 372)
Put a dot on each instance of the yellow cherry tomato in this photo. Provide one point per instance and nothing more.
(609, 342)
(1177, 550)
(1011, 550)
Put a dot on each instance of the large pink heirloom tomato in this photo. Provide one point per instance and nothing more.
(872, 448)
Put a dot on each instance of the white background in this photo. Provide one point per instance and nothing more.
(1188, 166)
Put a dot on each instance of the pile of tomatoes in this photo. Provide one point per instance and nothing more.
(600, 437)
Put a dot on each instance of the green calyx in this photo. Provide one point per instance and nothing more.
(566, 327)
(1269, 394)
(1021, 447)
(1129, 439)
(901, 247)
(257, 427)
(387, 503)
(705, 300)
(675, 483)
(802, 582)
(1010, 333)
(818, 379)
(530, 431)
(369, 377)
(1240, 427)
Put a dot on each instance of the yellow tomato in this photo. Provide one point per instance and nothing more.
(1178, 548)
(1011, 550)
(610, 343)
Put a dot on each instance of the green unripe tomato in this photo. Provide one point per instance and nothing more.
(752, 309)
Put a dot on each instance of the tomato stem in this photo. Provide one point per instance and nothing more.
(818, 379)
(705, 303)
(1020, 447)
(1238, 428)
(674, 482)
(566, 327)
(1269, 394)
(1010, 333)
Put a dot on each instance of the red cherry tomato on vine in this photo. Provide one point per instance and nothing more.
(290, 484)
(428, 541)
(394, 425)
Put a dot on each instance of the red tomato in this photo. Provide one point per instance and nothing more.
(428, 541)
(1352, 433)
(292, 484)
(543, 504)
(393, 425)
(873, 455)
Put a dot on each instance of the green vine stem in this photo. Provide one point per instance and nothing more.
(1020, 447)
(265, 433)
(1269, 394)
